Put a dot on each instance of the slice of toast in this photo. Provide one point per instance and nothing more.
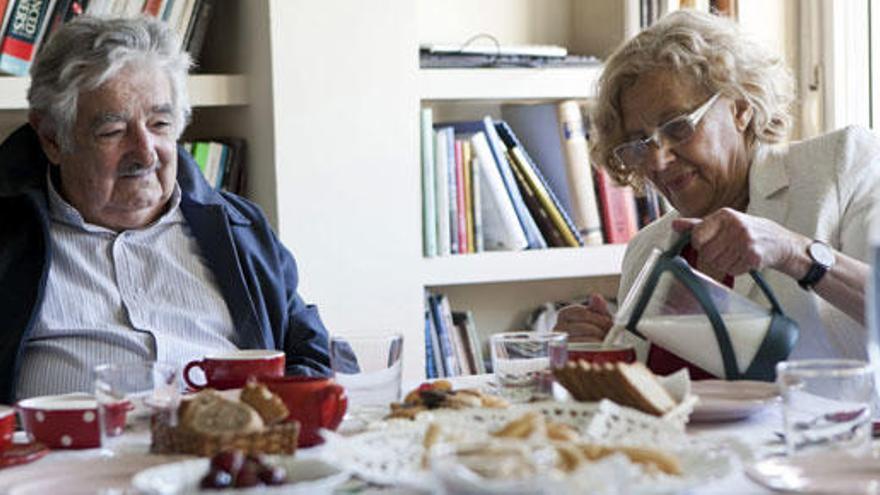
(631, 385)
(644, 389)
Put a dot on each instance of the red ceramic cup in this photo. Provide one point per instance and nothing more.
(313, 401)
(7, 426)
(596, 352)
(232, 370)
(69, 421)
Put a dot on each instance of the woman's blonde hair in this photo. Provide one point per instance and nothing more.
(712, 50)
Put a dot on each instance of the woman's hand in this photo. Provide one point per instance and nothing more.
(587, 322)
(734, 243)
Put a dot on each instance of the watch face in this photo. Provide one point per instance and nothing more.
(822, 253)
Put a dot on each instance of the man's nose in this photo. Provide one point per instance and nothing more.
(142, 145)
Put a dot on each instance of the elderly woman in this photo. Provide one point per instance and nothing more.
(698, 111)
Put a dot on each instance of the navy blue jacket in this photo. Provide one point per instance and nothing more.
(256, 274)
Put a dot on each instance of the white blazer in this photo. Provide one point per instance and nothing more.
(824, 188)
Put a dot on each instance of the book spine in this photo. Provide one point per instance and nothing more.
(429, 227)
(580, 174)
(441, 194)
(430, 367)
(618, 209)
(453, 191)
(27, 26)
(461, 209)
(455, 345)
(548, 230)
(152, 7)
(474, 339)
(446, 351)
(544, 194)
(476, 197)
(533, 236)
(501, 228)
(466, 160)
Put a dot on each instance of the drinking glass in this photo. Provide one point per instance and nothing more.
(369, 367)
(826, 405)
(523, 363)
(148, 390)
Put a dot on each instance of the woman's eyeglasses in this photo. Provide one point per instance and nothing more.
(633, 154)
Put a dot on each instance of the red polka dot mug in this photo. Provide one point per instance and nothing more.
(68, 421)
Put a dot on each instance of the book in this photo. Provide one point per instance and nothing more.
(466, 319)
(545, 224)
(5, 14)
(431, 358)
(501, 230)
(477, 201)
(429, 206)
(447, 352)
(466, 172)
(458, 349)
(549, 205)
(618, 206)
(460, 193)
(580, 173)
(530, 228)
(441, 192)
(201, 19)
(27, 25)
(539, 130)
(453, 191)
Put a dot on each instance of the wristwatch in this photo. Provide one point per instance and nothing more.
(823, 259)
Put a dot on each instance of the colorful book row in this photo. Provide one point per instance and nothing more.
(221, 162)
(452, 345)
(27, 23)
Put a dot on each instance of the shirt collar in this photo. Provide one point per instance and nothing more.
(63, 212)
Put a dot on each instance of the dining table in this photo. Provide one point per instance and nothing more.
(92, 471)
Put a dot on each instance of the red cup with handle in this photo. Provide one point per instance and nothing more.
(69, 421)
(7, 426)
(232, 369)
(597, 352)
(315, 402)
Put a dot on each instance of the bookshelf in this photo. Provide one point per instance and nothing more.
(507, 84)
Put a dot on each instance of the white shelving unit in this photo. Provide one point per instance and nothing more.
(507, 84)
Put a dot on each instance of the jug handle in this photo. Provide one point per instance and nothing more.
(685, 239)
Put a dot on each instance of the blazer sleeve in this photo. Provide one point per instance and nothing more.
(305, 340)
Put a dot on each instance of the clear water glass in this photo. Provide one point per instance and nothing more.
(827, 405)
(523, 363)
(146, 390)
(369, 366)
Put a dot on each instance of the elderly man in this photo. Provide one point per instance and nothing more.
(112, 245)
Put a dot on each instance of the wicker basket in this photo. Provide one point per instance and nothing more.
(276, 439)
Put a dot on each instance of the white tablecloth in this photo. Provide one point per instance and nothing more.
(85, 471)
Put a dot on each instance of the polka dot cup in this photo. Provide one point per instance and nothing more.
(66, 421)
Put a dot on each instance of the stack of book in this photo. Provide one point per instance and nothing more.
(521, 182)
(221, 161)
(28, 23)
(452, 346)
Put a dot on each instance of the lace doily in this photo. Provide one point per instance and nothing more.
(392, 452)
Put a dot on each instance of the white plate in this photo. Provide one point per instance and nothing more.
(722, 400)
(823, 473)
(304, 476)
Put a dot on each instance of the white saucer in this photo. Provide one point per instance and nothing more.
(722, 400)
(831, 472)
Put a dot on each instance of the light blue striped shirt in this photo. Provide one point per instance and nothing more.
(143, 294)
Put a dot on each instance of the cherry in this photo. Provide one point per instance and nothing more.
(276, 475)
(228, 460)
(216, 478)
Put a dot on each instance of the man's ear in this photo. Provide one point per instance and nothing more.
(48, 142)
(743, 113)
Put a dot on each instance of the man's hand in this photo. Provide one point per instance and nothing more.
(587, 322)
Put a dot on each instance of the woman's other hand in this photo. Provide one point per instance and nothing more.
(588, 322)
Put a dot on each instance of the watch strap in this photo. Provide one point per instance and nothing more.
(814, 274)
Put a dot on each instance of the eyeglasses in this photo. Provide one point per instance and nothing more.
(633, 154)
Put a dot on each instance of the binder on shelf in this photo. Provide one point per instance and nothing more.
(429, 207)
(547, 200)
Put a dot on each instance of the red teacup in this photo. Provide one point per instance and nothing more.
(232, 370)
(7, 426)
(315, 402)
(69, 421)
(596, 352)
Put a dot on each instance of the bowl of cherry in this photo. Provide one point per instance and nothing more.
(235, 469)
